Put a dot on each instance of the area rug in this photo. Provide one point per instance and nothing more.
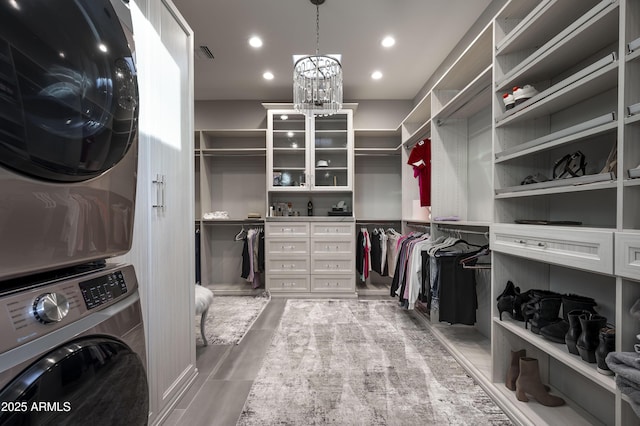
(230, 317)
(362, 362)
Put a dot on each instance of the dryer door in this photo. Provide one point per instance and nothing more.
(68, 89)
(92, 381)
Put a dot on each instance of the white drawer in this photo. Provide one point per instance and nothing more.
(287, 229)
(288, 265)
(287, 283)
(581, 248)
(333, 265)
(319, 229)
(342, 246)
(329, 283)
(287, 246)
(628, 255)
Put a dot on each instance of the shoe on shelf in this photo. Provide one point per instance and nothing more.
(508, 100)
(521, 94)
(612, 161)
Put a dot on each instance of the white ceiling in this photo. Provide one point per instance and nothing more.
(425, 32)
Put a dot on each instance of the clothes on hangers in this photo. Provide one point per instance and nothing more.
(253, 256)
(420, 159)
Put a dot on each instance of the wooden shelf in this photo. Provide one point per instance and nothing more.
(470, 100)
(559, 190)
(558, 351)
(593, 31)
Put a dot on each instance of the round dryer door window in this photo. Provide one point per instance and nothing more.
(68, 88)
(92, 381)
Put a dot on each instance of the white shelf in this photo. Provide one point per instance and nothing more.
(634, 119)
(535, 414)
(470, 100)
(377, 132)
(555, 140)
(546, 103)
(558, 190)
(560, 352)
(224, 152)
(485, 224)
(548, 18)
(234, 133)
(595, 30)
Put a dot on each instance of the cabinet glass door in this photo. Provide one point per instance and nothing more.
(331, 146)
(289, 151)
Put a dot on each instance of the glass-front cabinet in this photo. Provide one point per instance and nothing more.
(309, 153)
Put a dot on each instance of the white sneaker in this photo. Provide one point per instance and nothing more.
(508, 100)
(521, 94)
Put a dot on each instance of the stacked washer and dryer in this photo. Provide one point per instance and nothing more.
(72, 346)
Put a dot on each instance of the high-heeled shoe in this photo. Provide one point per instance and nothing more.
(506, 300)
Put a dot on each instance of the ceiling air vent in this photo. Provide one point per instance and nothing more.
(204, 52)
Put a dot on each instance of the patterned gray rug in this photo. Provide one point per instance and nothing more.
(362, 362)
(230, 317)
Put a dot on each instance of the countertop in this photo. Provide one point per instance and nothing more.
(310, 219)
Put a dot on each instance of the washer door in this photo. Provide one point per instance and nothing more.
(92, 381)
(68, 90)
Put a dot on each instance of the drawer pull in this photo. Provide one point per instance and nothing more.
(286, 229)
(541, 244)
(288, 247)
(290, 284)
(520, 241)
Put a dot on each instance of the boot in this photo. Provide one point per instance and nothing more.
(546, 312)
(507, 298)
(528, 382)
(588, 341)
(532, 305)
(571, 302)
(557, 332)
(574, 330)
(514, 369)
(607, 344)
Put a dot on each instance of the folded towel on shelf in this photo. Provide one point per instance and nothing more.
(626, 366)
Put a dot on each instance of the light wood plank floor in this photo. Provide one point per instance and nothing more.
(226, 373)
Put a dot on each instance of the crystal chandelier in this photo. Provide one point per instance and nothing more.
(317, 79)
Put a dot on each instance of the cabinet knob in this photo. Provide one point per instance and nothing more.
(541, 244)
(520, 241)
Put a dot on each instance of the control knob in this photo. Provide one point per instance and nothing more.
(50, 307)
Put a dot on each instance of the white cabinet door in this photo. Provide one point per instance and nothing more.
(163, 242)
(287, 151)
(309, 154)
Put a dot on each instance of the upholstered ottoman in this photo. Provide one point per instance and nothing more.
(204, 298)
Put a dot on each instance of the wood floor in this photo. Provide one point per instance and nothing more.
(226, 373)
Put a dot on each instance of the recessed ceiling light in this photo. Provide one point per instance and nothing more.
(388, 41)
(255, 41)
(376, 75)
(268, 75)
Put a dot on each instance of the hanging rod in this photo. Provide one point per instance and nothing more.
(418, 225)
(378, 222)
(462, 231)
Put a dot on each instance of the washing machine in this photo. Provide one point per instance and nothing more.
(68, 133)
(72, 352)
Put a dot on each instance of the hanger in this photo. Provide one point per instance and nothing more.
(470, 262)
(240, 235)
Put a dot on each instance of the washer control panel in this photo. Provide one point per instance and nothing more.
(28, 314)
(103, 289)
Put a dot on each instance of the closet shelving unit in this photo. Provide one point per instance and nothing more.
(461, 185)
(230, 170)
(377, 192)
(573, 53)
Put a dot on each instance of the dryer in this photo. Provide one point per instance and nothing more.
(68, 133)
(72, 351)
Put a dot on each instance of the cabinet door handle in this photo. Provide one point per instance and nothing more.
(159, 183)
